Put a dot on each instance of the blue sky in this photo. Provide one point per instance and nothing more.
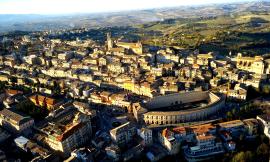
(91, 6)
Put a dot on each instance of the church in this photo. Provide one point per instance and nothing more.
(136, 48)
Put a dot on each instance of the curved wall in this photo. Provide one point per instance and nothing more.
(175, 117)
(176, 98)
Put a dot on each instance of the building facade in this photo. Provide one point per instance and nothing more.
(123, 134)
(66, 138)
(265, 123)
(15, 122)
(186, 115)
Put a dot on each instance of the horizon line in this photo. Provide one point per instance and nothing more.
(134, 10)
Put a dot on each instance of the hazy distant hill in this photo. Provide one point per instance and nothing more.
(45, 22)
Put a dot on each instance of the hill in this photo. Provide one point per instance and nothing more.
(54, 22)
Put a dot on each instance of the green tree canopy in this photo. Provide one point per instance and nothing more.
(243, 157)
(263, 151)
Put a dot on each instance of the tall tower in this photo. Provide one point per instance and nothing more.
(109, 41)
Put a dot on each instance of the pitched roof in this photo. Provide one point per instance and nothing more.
(14, 116)
(13, 92)
(40, 98)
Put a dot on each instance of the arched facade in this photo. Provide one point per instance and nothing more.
(188, 115)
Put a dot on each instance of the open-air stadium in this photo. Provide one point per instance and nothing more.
(182, 107)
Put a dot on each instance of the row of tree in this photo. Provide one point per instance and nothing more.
(246, 111)
(32, 110)
(260, 155)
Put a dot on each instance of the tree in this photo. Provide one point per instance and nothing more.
(266, 89)
(2, 85)
(242, 137)
(13, 80)
(32, 110)
(239, 157)
(234, 111)
(229, 115)
(263, 152)
(56, 88)
(243, 157)
(264, 139)
(249, 156)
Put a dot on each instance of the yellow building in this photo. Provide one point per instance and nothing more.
(129, 85)
(140, 89)
(203, 59)
(135, 47)
(43, 101)
(145, 89)
(4, 78)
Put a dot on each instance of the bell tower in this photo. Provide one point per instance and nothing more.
(109, 41)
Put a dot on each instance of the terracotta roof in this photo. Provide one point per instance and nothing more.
(50, 101)
(13, 92)
(205, 137)
(41, 98)
(105, 94)
(195, 66)
(201, 129)
(180, 130)
(164, 132)
(70, 131)
(233, 123)
(119, 49)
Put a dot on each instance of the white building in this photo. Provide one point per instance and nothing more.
(146, 135)
(123, 134)
(166, 138)
(238, 93)
(207, 147)
(65, 56)
(265, 121)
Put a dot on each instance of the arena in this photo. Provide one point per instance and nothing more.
(182, 107)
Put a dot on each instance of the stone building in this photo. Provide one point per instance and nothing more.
(15, 122)
(123, 134)
(182, 107)
(251, 64)
(66, 137)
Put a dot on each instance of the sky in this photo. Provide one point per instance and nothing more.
(91, 6)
